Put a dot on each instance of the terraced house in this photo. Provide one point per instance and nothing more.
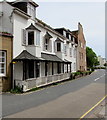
(41, 55)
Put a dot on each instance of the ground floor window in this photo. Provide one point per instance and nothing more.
(31, 69)
(46, 68)
(59, 68)
(37, 69)
(2, 63)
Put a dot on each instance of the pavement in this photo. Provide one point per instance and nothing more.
(99, 111)
(71, 99)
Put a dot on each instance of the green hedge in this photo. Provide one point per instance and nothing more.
(80, 73)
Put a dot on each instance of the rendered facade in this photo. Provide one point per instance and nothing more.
(41, 55)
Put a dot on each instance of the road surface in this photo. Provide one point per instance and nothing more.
(67, 100)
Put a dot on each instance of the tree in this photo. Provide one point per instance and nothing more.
(92, 59)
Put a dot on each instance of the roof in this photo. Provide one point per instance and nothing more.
(67, 61)
(49, 28)
(25, 55)
(50, 57)
(47, 35)
(58, 40)
(31, 1)
(32, 27)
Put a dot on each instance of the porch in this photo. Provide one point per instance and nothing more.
(30, 71)
(41, 81)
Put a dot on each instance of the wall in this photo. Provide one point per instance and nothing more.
(6, 18)
(81, 48)
(6, 43)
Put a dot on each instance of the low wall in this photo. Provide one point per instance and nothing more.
(41, 81)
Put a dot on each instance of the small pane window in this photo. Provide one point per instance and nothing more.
(30, 37)
(65, 50)
(2, 63)
(46, 43)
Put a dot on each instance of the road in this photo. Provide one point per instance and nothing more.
(70, 99)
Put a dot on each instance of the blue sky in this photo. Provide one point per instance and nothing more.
(67, 14)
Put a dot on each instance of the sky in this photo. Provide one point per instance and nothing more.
(67, 13)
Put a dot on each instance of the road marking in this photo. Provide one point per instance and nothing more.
(92, 108)
(96, 79)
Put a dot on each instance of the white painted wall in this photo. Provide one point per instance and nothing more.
(6, 18)
(18, 71)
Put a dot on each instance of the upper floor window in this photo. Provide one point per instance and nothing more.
(2, 63)
(46, 43)
(37, 38)
(31, 11)
(74, 53)
(58, 47)
(65, 50)
(64, 33)
(69, 37)
(30, 37)
(70, 50)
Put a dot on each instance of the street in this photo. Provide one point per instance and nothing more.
(70, 99)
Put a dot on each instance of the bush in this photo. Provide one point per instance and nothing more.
(17, 89)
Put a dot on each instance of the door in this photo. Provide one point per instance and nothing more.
(31, 69)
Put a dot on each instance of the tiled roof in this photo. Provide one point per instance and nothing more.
(25, 55)
(50, 57)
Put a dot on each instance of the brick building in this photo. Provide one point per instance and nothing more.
(81, 49)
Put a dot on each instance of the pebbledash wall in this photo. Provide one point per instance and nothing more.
(6, 43)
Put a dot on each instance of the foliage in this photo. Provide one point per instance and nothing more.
(16, 90)
(100, 67)
(92, 59)
(73, 75)
(105, 64)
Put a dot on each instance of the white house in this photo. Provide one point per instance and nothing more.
(41, 55)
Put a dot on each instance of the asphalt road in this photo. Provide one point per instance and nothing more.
(68, 100)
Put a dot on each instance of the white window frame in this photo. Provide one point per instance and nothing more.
(70, 52)
(27, 37)
(37, 42)
(65, 49)
(5, 54)
(64, 33)
(57, 46)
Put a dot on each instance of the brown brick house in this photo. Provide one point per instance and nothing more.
(81, 49)
(5, 60)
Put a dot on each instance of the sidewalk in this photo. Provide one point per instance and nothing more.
(100, 111)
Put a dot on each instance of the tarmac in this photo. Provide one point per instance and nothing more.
(99, 112)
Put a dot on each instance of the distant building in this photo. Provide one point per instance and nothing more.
(102, 61)
(81, 49)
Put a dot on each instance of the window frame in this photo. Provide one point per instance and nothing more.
(65, 49)
(59, 50)
(28, 37)
(5, 64)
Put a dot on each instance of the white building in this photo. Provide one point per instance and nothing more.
(41, 55)
(102, 61)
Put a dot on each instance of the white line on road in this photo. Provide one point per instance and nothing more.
(96, 79)
(99, 77)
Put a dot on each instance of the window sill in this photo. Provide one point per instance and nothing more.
(3, 76)
(32, 45)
